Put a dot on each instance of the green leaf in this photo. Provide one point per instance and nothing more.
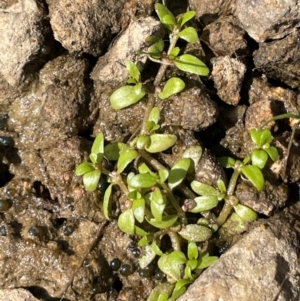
(191, 64)
(203, 189)
(147, 257)
(260, 137)
(180, 288)
(163, 288)
(227, 162)
(145, 180)
(173, 85)
(204, 203)
(171, 264)
(98, 145)
(84, 168)
(254, 175)
(107, 202)
(157, 210)
(206, 260)
(156, 248)
(154, 115)
(138, 207)
(161, 142)
(221, 186)
(144, 168)
(163, 175)
(192, 251)
(126, 157)
(91, 180)
(96, 158)
(189, 34)
(142, 141)
(165, 16)
(133, 71)
(195, 233)
(156, 49)
(126, 96)
(166, 222)
(174, 53)
(111, 151)
(245, 213)
(126, 222)
(178, 172)
(272, 152)
(157, 197)
(186, 17)
(259, 158)
(194, 153)
(139, 231)
(188, 273)
(144, 241)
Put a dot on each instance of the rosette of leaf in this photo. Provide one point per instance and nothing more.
(181, 270)
(91, 171)
(151, 141)
(263, 149)
(184, 62)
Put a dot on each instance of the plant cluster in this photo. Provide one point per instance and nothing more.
(166, 201)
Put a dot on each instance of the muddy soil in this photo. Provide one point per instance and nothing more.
(60, 62)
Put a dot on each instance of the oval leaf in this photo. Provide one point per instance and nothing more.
(272, 152)
(91, 180)
(195, 233)
(154, 115)
(171, 264)
(145, 180)
(161, 142)
(125, 158)
(204, 203)
(189, 34)
(254, 175)
(194, 153)
(227, 162)
(126, 96)
(259, 158)
(173, 85)
(111, 151)
(126, 222)
(186, 17)
(165, 16)
(166, 222)
(245, 213)
(178, 172)
(84, 168)
(191, 64)
(98, 145)
(157, 210)
(138, 207)
(107, 202)
(192, 251)
(163, 288)
(133, 71)
(203, 189)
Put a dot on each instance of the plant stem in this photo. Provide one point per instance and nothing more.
(150, 105)
(227, 208)
(164, 66)
(150, 160)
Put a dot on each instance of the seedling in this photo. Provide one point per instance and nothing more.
(158, 200)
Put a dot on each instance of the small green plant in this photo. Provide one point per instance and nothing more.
(158, 200)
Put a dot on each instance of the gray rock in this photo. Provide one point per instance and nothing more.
(16, 295)
(266, 19)
(111, 68)
(228, 74)
(85, 26)
(208, 11)
(225, 36)
(281, 59)
(263, 265)
(21, 32)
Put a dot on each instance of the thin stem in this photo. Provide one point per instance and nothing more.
(150, 105)
(150, 160)
(163, 67)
